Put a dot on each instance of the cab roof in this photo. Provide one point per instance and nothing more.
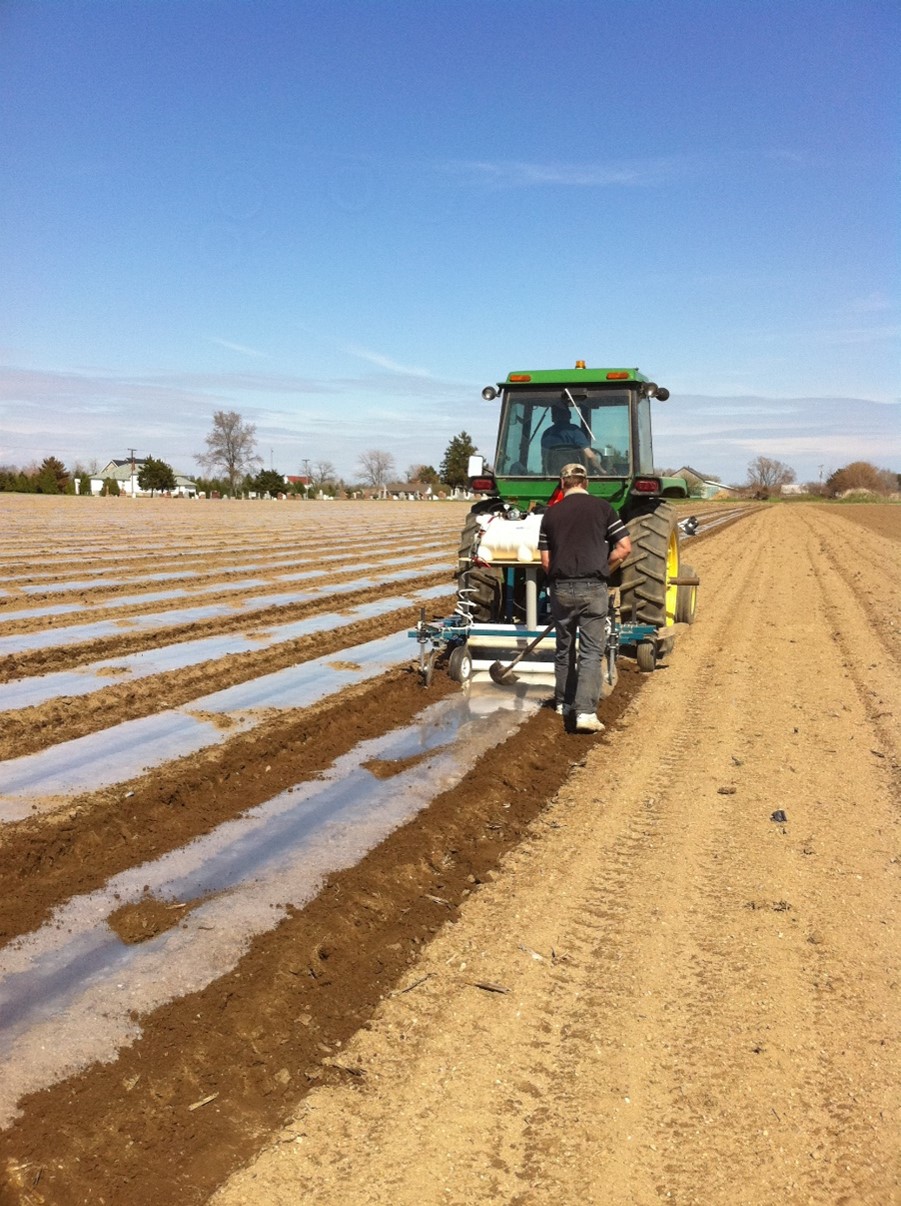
(574, 376)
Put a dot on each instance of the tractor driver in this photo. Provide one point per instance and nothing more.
(564, 440)
(582, 541)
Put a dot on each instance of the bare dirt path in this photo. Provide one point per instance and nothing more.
(595, 970)
(692, 1002)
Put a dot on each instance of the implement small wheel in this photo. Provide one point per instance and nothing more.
(459, 664)
(686, 598)
(646, 656)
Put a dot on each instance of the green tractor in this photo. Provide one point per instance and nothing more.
(601, 418)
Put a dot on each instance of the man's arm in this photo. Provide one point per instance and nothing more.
(545, 560)
(619, 553)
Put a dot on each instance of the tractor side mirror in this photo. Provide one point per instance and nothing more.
(475, 466)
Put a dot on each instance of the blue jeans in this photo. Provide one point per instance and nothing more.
(579, 605)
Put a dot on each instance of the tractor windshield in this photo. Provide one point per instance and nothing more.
(545, 428)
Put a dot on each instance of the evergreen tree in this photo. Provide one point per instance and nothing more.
(156, 475)
(267, 481)
(454, 468)
(52, 477)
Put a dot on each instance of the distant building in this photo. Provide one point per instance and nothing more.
(700, 486)
(126, 473)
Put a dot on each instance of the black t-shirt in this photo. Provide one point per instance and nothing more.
(579, 532)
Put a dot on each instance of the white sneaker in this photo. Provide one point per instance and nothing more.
(587, 722)
(561, 709)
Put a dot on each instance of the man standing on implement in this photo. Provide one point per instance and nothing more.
(582, 541)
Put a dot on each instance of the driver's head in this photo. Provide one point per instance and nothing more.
(560, 414)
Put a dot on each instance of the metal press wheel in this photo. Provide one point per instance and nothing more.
(428, 669)
(609, 679)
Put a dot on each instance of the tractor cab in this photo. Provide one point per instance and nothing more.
(599, 418)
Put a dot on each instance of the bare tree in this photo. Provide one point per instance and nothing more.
(861, 475)
(423, 473)
(231, 447)
(377, 468)
(765, 474)
(323, 474)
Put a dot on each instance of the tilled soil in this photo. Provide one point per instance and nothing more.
(661, 964)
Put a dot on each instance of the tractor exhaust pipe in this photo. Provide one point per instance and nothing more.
(504, 674)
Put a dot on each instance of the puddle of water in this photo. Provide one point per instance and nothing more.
(69, 991)
(101, 759)
(35, 782)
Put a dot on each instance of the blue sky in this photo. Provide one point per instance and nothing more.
(342, 219)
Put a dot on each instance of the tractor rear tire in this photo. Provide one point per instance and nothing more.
(646, 596)
(467, 540)
(486, 593)
(484, 582)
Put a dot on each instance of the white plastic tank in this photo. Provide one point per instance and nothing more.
(513, 540)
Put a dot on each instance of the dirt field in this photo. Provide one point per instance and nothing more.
(661, 964)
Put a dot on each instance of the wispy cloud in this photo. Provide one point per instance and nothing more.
(511, 173)
(237, 347)
(277, 383)
(876, 302)
(86, 389)
(855, 335)
(385, 362)
(793, 157)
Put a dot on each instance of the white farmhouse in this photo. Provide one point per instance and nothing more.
(126, 474)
